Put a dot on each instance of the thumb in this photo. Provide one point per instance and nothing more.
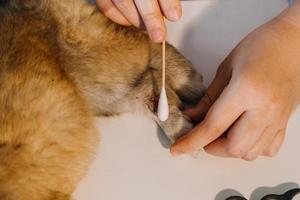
(214, 90)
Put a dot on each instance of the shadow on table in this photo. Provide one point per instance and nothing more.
(258, 193)
(225, 194)
(163, 139)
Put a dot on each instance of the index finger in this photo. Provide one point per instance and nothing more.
(152, 17)
(220, 117)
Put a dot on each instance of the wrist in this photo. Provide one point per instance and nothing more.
(291, 15)
(283, 33)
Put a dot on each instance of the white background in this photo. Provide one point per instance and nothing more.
(133, 165)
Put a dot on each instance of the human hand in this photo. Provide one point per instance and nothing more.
(142, 12)
(247, 107)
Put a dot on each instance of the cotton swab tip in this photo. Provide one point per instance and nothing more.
(163, 106)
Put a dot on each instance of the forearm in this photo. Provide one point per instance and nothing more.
(292, 16)
(280, 40)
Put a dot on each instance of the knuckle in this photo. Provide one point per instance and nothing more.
(268, 106)
(269, 131)
(250, 157)
(211, 126)
(190, 145)
(151, 16)
(120, 2)
(106, 8)
(282, 131)
(271, 152)
(235, 152)
(212, 129)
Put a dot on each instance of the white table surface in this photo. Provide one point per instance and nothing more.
(133, 165)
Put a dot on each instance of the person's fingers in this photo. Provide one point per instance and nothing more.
(220, 81)
(218, 147)
(241, 137)
(220, 117)
(276, 144)
(152, 18)
(266, 139)
(110, 11)
(129, 11)
(198, 113)
(171, 9)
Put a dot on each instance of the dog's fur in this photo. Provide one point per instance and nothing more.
(61, 63)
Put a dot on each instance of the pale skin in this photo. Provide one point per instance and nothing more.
(256, 89)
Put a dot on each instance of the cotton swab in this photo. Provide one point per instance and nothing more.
(163, 107)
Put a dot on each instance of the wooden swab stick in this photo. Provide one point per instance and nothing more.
(164, 64)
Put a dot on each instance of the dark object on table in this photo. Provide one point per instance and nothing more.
(289, 195)
(236, 198)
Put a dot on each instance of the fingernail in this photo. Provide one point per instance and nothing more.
(173, 14)
(156, 35)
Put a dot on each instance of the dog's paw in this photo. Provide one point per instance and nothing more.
(174, 129)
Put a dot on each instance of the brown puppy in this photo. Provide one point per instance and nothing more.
(61, 63)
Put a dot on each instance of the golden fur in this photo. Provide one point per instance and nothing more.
(61, 63)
